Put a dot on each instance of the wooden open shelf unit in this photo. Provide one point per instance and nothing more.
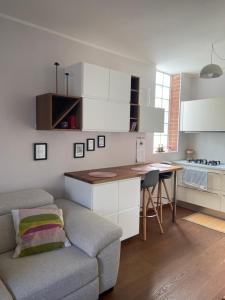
(52, 109)
(134, 104)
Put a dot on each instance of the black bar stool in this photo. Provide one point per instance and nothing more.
(162, 178)
(150, 181)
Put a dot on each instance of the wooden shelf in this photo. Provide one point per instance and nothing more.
(134, 104)
(53, 109)
(65, 129)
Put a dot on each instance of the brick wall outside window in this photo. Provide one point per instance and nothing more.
(173, 128)
(167, 96)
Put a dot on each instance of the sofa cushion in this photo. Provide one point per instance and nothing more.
(4, 293)
(47, 276)
(24, 199)
(7, 232)
(38, 230)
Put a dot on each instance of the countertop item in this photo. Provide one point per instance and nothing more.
(102, 174)
(122, 172)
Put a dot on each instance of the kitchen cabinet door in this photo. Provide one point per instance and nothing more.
(129, 193)
(151, 119)
(201, 198)
(87, 80)
(129, 222)
(203, 115)
(119, 86)
(105, 198)
(105, 116)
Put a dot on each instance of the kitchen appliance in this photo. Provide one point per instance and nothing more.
(204, 162)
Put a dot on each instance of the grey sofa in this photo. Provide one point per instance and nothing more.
(80, 272)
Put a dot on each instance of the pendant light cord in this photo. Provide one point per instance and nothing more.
(216, 54)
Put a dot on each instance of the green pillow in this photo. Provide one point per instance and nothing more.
(38, 230)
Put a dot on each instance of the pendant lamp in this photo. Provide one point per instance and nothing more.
(211, 70)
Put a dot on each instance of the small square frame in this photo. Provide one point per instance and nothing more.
(90, 144)
(79, 150)
(101, 141)
(40, 151)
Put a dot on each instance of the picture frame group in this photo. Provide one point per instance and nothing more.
(79, 148)
(40, 150)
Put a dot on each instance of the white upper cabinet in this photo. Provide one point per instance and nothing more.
(105, 116)
(87, 80)
(151, 119)
(96, 82)
(119, 86)
(203, 115)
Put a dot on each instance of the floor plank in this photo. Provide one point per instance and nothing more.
(186, 262)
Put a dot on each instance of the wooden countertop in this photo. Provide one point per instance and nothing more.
(123, 172)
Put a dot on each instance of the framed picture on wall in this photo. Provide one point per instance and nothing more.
(79, 149)
(90, 144)
(40, 151)
(101, 141)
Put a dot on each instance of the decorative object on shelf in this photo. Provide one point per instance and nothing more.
(72, 122)
(160, 148)
(40, 151)
(101, 141)
(133, 126)
(212, 70)
(189, 154)
(56, 77)
(67, 83)
(79, 150)
(63, 125)
(90, 144)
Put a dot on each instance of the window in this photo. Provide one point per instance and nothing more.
(167, 94)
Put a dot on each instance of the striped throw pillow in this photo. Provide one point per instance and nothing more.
(38, 230)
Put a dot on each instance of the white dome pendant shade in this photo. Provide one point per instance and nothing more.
(211, 70)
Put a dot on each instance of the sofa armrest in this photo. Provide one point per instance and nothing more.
(86, 230)
(4, 293)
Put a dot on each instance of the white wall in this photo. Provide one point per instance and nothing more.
(208, 145)
(26, 63)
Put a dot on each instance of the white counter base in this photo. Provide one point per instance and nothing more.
(118, 201)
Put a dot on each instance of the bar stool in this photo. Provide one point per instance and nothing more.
(161, 184)
(150, 181)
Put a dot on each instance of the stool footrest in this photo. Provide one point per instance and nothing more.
(148, 216)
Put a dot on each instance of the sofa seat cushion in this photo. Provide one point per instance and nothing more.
(4, 293)
(47, 276)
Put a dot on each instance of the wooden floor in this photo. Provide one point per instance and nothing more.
(187, 262)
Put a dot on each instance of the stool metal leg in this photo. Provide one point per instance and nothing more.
(167, 194)
(155, 211)
(158, 196)
(144, 217)
(160, 201)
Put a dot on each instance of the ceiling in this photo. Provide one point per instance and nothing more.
(174, 34)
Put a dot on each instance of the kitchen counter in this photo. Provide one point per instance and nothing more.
(116, 198)
(122, 172)
(220, 167)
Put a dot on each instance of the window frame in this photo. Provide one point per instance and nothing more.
(163, 134)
